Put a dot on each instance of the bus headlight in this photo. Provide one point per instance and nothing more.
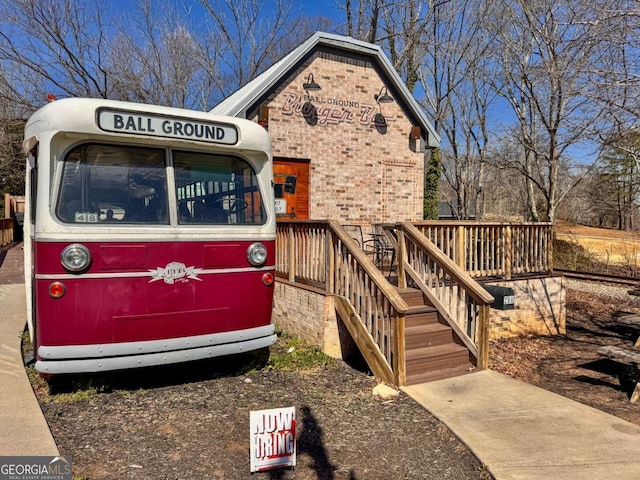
(257, 254)
(75, 257)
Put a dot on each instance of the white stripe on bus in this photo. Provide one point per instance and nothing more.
(150, 273)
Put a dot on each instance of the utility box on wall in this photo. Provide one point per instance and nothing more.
(504, 297)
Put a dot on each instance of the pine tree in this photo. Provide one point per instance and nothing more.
(431, 183)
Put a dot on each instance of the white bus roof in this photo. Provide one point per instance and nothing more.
(135, 120)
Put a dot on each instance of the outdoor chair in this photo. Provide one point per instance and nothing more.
(367, 246)
(384, 247)
(378, 247)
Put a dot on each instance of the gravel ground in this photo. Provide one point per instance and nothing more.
(604, 289)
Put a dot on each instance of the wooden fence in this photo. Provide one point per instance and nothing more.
(323, 254)
(7, 226)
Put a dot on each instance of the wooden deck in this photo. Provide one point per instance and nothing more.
(440, 261)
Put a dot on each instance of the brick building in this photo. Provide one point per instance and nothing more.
(348, 138)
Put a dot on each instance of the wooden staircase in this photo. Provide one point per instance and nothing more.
(432, 349)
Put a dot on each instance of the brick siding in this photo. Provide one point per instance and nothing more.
(540, 309)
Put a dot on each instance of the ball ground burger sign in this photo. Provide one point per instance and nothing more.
(273, 438)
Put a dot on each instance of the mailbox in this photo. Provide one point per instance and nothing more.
(504, 298)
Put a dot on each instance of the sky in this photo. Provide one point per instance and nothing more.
(327, 8)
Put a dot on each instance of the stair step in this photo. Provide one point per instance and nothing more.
(412, 296)
(427, 335)
(423, 318)
(463, 369)
(431, 353)
(429, 359)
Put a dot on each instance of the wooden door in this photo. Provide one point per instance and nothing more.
(291, 184)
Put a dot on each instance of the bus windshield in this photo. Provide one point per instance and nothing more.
(216, 189)
(128, 185)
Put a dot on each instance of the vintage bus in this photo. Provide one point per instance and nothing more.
(149, 236)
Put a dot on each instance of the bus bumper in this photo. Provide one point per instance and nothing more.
(53, 360)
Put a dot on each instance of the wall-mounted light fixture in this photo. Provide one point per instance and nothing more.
(310, 84)
(383, 97)
(263, 117)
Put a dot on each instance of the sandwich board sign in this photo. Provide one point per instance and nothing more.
(273, 438)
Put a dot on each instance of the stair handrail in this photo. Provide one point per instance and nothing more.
(375, 321)
(462, 301)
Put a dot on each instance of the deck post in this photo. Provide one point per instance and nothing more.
(402, 256)
(483, 337)
(508, 252)
(461, 248)
(399, 357)
(549, 236)
(330, 260)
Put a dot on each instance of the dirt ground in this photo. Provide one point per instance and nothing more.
(192, 421)
(567, 228)
(569, 365)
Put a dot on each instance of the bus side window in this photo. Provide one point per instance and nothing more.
(183, 212)
(135, 210)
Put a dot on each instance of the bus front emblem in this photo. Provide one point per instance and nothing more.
(175, 272)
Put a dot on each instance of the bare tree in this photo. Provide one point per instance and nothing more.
(452, 75)
(614, 80)
(399, 26)
(59, 43)
(157, 58)
(545, 48)
(244, 33)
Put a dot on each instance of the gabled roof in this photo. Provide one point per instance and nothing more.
(240, 102)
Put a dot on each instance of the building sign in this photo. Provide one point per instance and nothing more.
(160, 126)
(281, 206)
(330, 111)
(273, 438)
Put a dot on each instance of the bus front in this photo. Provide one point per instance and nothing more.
(153, 238)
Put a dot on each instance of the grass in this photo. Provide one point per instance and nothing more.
(293, 354)
(598, 250)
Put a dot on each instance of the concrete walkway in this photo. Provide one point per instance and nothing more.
(524, 432)
(23, 429)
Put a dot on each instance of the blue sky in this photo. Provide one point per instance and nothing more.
(328, 8)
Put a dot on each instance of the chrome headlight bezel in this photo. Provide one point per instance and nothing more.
(257, 254)
(75, 258)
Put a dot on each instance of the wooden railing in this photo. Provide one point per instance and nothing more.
(324, 255)
(460, 300)
(485, 249)
(6, 231)
(302, 249)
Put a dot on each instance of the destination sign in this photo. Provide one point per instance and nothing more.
(170, 127)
